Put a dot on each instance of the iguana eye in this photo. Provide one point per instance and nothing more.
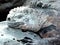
(9, 19)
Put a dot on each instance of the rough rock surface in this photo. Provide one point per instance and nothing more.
(11, 36)
(14, 35)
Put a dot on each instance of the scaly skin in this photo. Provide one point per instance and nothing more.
(32, 19)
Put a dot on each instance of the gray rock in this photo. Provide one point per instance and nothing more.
(10, 3)
(11, 36)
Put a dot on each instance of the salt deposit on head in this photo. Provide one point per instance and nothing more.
(32, 19)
